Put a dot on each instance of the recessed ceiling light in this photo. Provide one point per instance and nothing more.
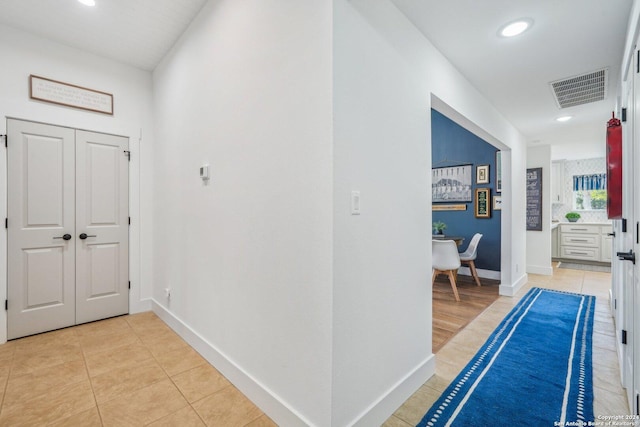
(88, 2)
(516, 27)
(563, 119)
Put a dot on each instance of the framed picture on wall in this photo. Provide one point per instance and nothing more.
(451, 184)
(482, 174)
(498, 171)
(483, 203)
(497, 203)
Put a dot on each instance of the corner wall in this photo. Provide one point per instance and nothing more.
(387, 77)
(247, 255)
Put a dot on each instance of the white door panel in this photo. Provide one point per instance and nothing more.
(65, 182)
(41, 200)
(102, 269)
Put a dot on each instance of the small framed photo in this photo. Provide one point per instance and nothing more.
(483, 203)
(497, 203)
(482, 174)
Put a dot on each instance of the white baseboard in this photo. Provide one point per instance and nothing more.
(513, 288)
(380, 410)
(265, 399)
(140, 306)
(540, 269)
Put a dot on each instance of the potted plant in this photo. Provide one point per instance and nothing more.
(572, 216)
(438, 227)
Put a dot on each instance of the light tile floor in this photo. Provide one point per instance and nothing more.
(126, 371)
(609, 397)
(134, 371)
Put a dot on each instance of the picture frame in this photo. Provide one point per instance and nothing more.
(483, 203)
(498, 171)
(534, 199)
(456, 207)
(497, 203)
(70, 95)
(451, 184)
(482, 174)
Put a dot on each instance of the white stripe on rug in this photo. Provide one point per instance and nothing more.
(486, 369)
(567, 387)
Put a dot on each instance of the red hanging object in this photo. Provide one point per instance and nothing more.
(614, 168)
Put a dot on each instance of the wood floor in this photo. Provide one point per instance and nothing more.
(450, 316)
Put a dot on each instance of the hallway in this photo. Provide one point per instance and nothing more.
(133, 370)
(609, 397)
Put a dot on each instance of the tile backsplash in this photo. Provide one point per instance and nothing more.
(579, 167)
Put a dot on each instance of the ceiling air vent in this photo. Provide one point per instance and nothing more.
(583, 89)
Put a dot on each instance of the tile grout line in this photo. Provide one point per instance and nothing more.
(86, 367)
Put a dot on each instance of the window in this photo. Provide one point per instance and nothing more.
(590, 200)
(590, 192)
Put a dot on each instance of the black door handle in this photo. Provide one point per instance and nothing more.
(85, 235)
(612, 234)
(627, 256)
(65, 237)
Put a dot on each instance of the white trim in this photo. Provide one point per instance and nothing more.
(271, 404)
(567, 384)
(540, 269)
(389, 402)
(512, 289)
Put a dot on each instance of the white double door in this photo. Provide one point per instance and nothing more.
(68, 227)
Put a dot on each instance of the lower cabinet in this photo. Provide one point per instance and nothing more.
(587, 242)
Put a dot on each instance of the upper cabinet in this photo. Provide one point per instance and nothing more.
(557, 182)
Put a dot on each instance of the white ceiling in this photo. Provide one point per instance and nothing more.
(135, 32)
(568, 38)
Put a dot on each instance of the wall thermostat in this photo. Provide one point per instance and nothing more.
(204, 172)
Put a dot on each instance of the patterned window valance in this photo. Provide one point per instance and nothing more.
(590, 182)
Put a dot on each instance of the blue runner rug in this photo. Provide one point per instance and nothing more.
(535, 368)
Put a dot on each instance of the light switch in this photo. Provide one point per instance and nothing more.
(355, 203)
(204, 172)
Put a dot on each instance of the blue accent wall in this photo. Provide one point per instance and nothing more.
(453, 145)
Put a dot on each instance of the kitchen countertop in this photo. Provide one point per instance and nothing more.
(554, 225)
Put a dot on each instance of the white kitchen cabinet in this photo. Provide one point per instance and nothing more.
(557, 182)
(587, 242)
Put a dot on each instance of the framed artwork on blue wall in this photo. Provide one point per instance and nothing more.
(483, 203)
(451, 184)
(482, 174)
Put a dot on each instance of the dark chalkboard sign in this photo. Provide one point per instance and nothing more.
(534, 199)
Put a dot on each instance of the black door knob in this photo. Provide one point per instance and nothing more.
(65, 237)
(627, 256)
(85, 235)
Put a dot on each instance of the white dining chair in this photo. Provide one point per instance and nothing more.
(468, 257)
(445, 260)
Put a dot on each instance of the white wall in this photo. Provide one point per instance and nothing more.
(385, 74)
(539, 242)
(581, 150)
(248, 256)
(24, 54)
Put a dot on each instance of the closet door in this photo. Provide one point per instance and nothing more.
(41, 222)
(102, 226)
